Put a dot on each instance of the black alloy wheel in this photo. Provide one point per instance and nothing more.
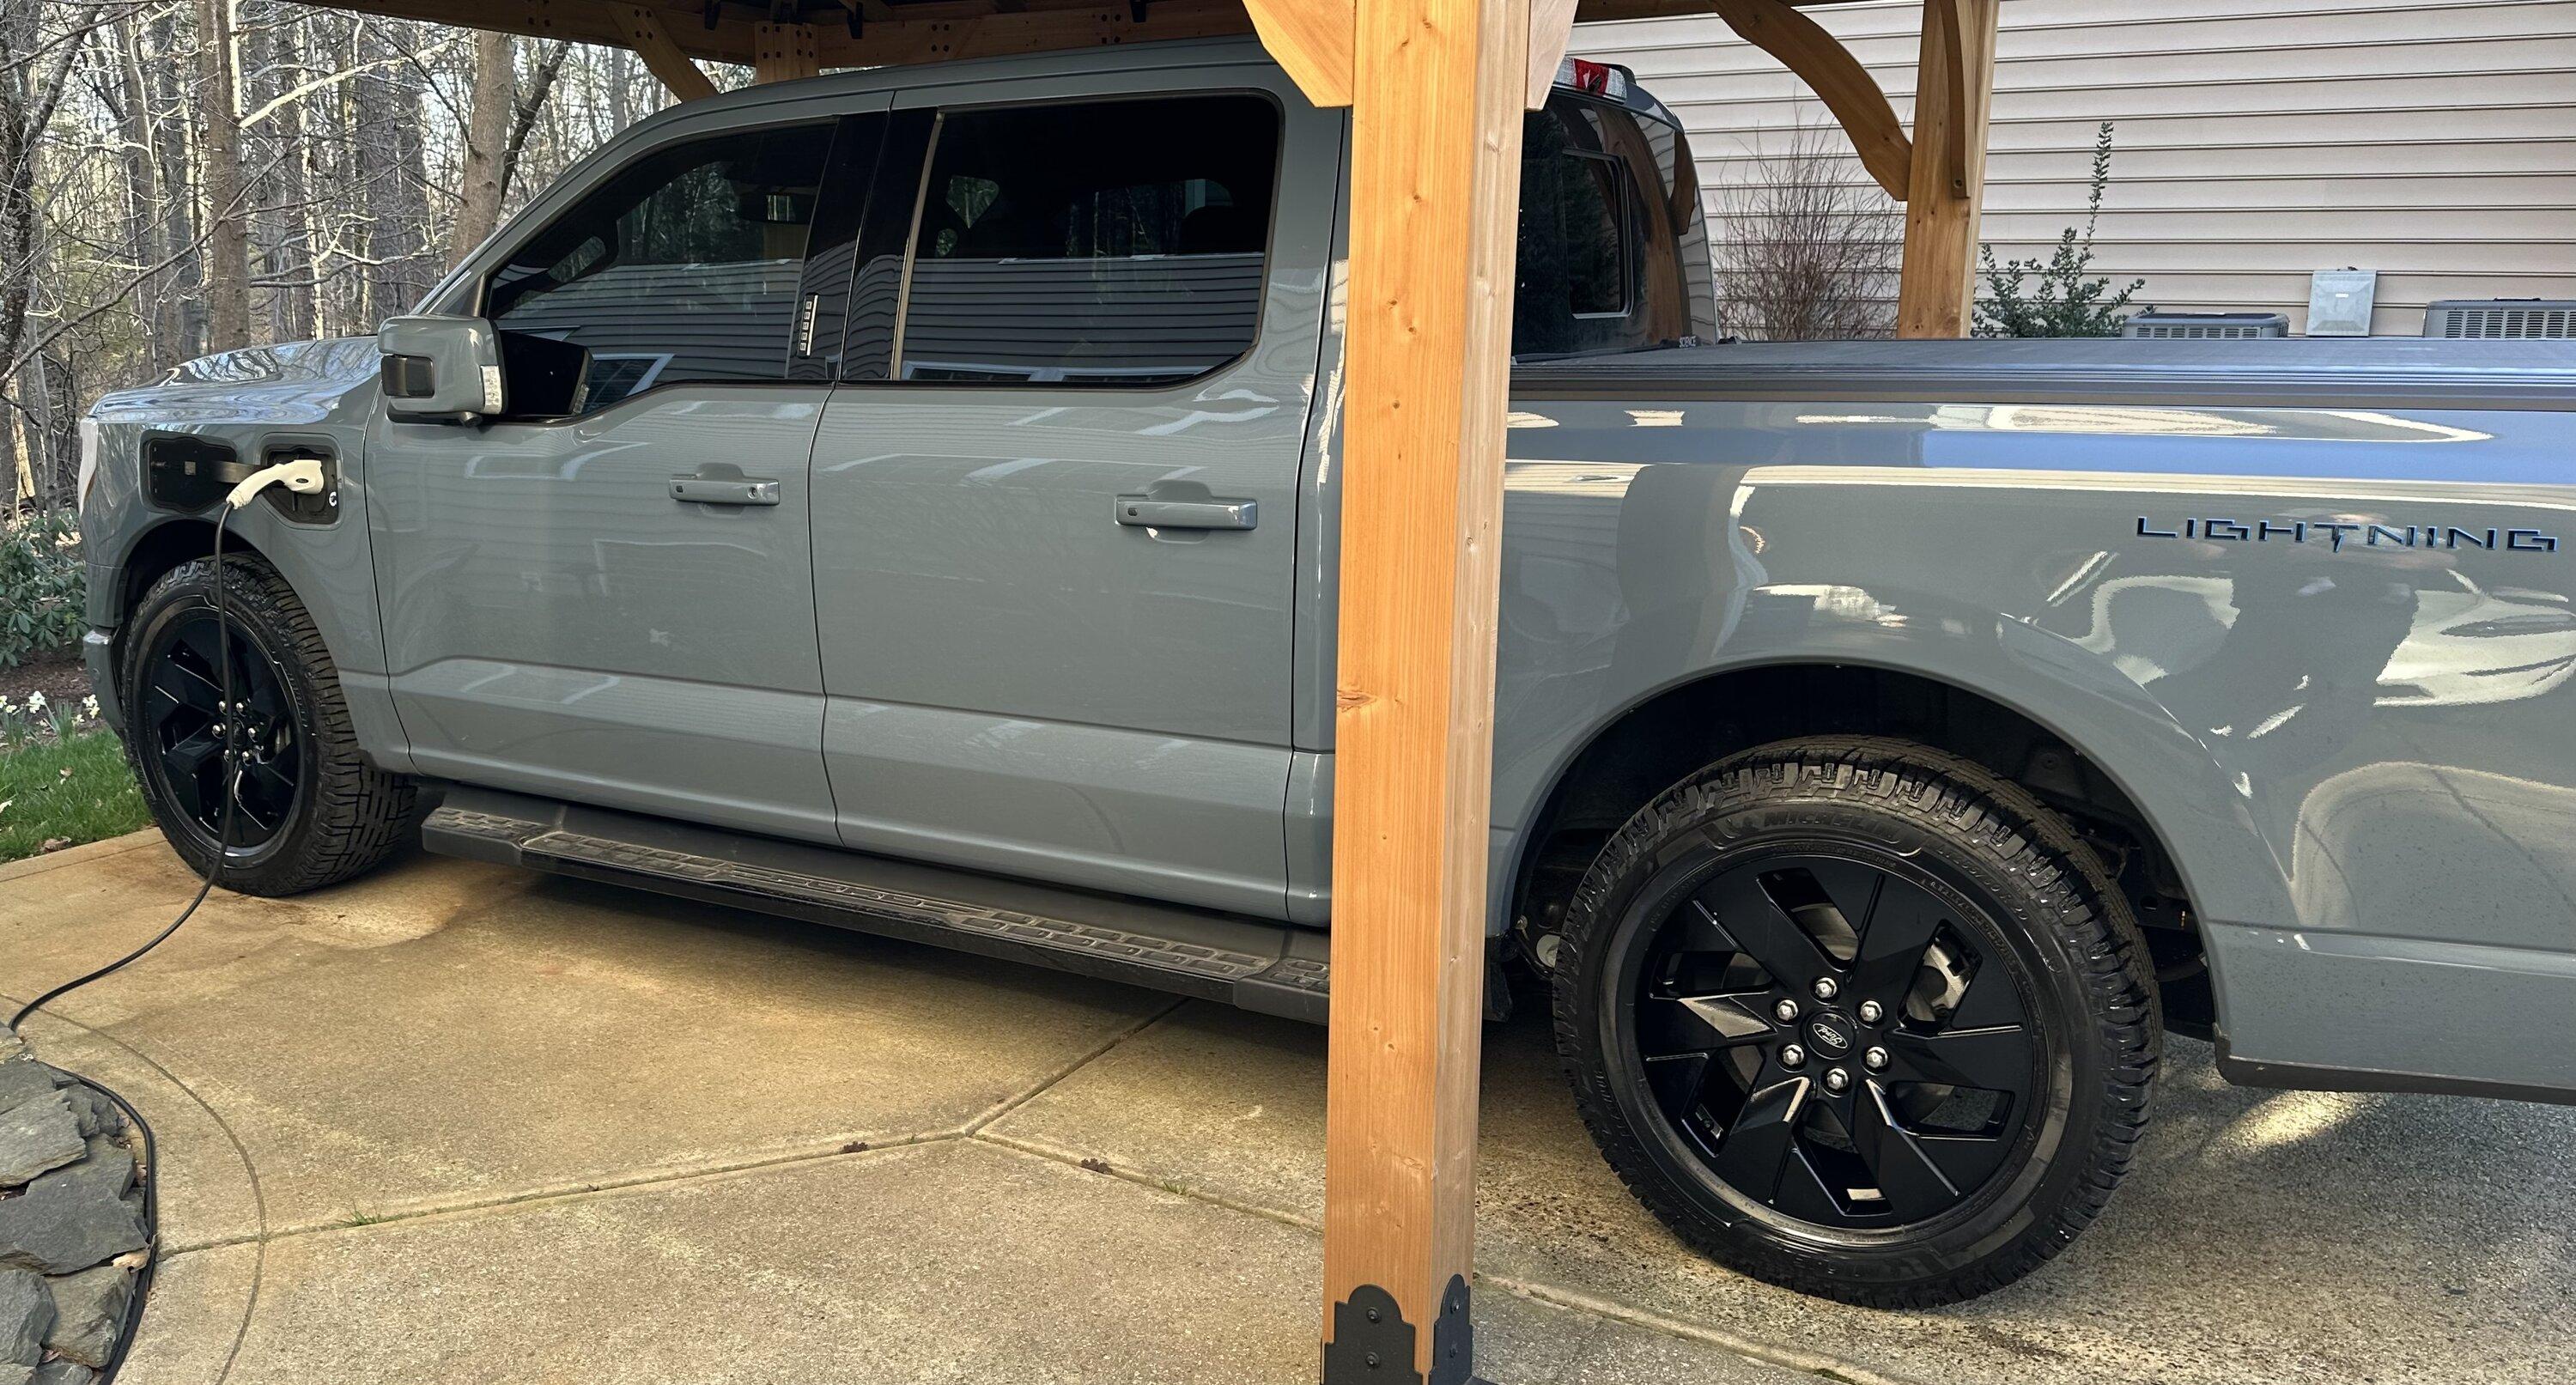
(308, 807)
(1860, 1018)
(203, 748)
(1836, 1045)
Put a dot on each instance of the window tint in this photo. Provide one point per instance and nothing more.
(1579, 224)
(684, 266)
(1110, 243)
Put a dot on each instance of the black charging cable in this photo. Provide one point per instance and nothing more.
(305, 477)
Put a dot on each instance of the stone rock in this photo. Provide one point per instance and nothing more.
(36, 1136)
(11, 1046)
(26, 1315)
(95, 1114)
(64, 1225)
(89, 1310)
(23, 1080)
(107, 1172)
(17, 1375)
(62, 1373)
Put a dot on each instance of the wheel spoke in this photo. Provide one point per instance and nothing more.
(184, 769)
(1699, 1023)
(1764, 930)
(185, 687)
(1892, 944)
(1913, 1185)
(1991, 1002)
(1679, 1083)
(1994, 1060)
(1756, 1147)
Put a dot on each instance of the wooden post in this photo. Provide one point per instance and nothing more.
(1953, 92)
(1437, 88)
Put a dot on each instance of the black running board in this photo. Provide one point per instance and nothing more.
(1270, 967)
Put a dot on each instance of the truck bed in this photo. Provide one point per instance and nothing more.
(2294, 372)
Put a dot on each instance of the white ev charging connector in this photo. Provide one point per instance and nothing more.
(303, 476)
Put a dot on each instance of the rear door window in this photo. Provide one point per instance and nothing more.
(1100, 244)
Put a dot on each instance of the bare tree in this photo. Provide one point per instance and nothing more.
(487, 138)
(1806, 248)
(219, 156)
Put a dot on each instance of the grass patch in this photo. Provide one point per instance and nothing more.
(77, 787)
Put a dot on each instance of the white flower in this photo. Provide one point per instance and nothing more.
(89, 707)
(36, 701)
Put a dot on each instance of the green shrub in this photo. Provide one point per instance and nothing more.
(2067, 299)
(43, 585)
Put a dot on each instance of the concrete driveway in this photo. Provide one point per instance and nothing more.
(458, 1123)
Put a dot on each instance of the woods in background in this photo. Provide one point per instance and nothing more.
(185, 176)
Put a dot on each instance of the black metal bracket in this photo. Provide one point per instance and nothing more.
(1136, 11)
(1372, 1344)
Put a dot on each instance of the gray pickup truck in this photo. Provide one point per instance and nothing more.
(906, 500)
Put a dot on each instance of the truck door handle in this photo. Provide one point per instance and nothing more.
(1145, 512)
(706, 490)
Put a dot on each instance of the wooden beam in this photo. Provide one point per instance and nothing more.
(1819, 59)
(1436, 110)
(1551, 28)
(1953, 96)
(644, 32)
(1312, 39)
(784, 52)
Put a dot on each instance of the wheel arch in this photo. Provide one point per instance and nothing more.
(2112, 772)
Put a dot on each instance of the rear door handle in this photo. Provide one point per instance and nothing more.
(710, 491)
(1145, 512)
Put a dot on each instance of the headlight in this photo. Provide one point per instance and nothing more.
(88, 458)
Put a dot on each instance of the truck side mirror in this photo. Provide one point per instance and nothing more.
(441, 369)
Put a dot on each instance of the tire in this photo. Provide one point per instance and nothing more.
(1981, 1124)
(341, 816)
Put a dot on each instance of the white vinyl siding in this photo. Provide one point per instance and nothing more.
(2257, 141)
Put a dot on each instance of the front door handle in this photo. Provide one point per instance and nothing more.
(1145, 512)
(707, 490)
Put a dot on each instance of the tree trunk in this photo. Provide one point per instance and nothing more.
(390, 160)
(182, 309)
(143, 194)
(219, 150)
(487, 136)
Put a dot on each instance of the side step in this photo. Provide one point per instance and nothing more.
(1269, 967)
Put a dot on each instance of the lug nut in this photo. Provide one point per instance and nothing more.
(1875, 1059)
(1792, 1056)
(1787, 1010)
(1836, 1080)
(1871, 1012)
(1825, 988)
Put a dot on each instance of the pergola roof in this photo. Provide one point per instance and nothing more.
(866, 33)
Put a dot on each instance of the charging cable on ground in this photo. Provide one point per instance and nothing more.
(304, 477)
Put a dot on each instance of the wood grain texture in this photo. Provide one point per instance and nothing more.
(1551, 26)
(784, 52)
(1954, 92)
(644, 31)
(1838, 80)
(1437, 96)
(1312, 39)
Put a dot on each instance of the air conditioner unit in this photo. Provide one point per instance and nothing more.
(2502, 319)
(2340, 300)
(2155, 322)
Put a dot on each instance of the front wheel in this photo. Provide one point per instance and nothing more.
(1859, 1018)
(268, 781)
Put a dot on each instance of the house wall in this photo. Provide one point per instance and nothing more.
(2257, 141)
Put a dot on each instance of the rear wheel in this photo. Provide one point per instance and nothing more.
(268, 780)
(1859, 1018)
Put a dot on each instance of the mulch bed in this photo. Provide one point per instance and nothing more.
(61, 678)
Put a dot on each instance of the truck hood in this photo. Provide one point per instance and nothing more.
(295, 384)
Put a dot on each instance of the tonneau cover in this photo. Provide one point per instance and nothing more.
(2293, 372)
